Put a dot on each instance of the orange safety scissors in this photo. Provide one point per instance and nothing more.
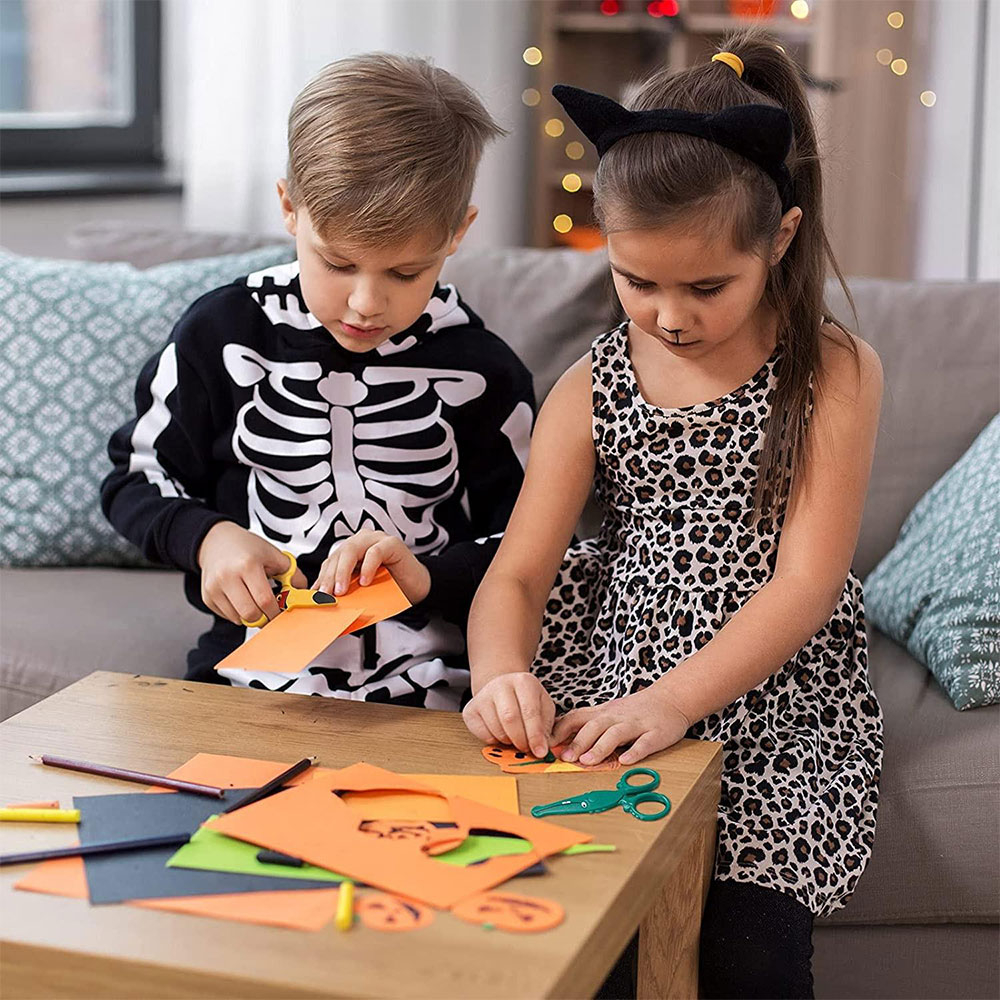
(289, 597)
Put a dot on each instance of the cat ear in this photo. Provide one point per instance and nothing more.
(760, 132)
(594, 114)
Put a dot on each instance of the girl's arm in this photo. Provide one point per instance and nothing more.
(814, 556)
(509, 704)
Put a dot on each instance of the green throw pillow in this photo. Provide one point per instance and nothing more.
(73, 336)
(938, 590)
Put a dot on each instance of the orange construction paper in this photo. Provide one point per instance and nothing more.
(382, 912)
(297, 636)
(510, 911)
(510, 760)
(298, 909)
(312, 823)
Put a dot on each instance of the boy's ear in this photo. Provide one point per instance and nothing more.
(288, 212)
(470, 217)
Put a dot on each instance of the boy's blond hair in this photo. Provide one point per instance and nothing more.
(383, 148)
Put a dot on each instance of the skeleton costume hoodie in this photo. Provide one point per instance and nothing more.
(253, 413)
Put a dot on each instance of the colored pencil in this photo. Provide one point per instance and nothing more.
(48, 804)
(105, 847)
(274, 785)
(344, 920)
(106, 771)
(39, 815)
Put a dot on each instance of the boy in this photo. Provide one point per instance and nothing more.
(344, 407)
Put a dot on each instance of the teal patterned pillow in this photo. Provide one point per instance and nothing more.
(938, 590)
(73, 336)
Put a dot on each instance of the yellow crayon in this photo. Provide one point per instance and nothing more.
(344, 919)
(40, 815)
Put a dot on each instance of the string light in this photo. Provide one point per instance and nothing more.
(571, 182)
(532, 55)
(554, 127)
(898, 66)
(928, 98)
(884, 56)
(610, 7)
(562, 223)
(799, 9)
(531, 97)
(574, 150)
(895, 19)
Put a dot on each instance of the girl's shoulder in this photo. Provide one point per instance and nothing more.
(849, 366)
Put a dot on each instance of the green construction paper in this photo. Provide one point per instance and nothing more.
(477, 848)
(211, 851)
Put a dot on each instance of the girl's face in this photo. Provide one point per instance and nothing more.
(692, 293)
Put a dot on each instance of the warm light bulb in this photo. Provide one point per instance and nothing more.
(574, 150)
(532, 55)
(898, 66)
(799, 9)
(884, 56)
(571, 182)
(554, 127)
(895, 19)
(531, 97)
(928, 98)
(610, 7)
(562, 223)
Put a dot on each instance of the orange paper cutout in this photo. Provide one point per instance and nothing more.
(510, 911)
(312, 823)
(298, 909)
(510, 760)
(382, 912)
(296, 637)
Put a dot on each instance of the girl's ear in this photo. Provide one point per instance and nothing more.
(288, 213)
(470, 217)
(786, 233)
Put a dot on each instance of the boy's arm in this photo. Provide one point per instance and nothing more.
(492, 459)
(162, 461)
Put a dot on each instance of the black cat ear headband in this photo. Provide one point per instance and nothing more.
(758, 132)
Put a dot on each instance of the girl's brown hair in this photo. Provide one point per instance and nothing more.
(664, 178)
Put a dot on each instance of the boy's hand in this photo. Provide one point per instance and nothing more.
(236, 567)
(372, 549)
(648, 720)
(513, 708)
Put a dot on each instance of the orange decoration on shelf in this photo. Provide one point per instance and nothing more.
(382, 912)
(752, 8)
(510, 911)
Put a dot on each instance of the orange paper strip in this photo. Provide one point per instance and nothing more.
(313, 823)
(296, 637)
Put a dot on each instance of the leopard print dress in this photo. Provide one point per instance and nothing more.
(674, 561)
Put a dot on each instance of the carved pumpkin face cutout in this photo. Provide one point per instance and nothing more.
(513, 761)
(510, 911)
(382, 912)
(435, 840)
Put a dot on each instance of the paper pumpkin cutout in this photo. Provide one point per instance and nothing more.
(510, 760)
(510, 911)
(400, 830)
(310, 822)
(383, 912)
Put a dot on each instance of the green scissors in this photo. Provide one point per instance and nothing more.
(627, 795)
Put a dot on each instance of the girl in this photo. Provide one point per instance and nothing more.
(729, 425)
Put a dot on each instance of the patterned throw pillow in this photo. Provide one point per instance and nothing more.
(938, 590)
(73, 336)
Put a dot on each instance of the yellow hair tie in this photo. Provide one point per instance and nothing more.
(730, 59)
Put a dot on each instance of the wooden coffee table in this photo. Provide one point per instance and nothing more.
(60, 947)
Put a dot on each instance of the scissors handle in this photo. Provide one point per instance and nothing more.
(626, 784)
(285, 579)
(631, 805)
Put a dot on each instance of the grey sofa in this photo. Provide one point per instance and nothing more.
(923, 922)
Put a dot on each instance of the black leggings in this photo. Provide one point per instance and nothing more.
(755, 942)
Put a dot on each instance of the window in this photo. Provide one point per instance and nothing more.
(79, 84)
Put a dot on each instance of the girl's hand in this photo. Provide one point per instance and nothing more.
(515, 709)
(236, 567)
(372, 549)
(648, 720)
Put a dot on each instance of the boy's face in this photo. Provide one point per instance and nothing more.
(364, 296)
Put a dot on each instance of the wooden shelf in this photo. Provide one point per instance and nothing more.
(720, 24)
(585, 21)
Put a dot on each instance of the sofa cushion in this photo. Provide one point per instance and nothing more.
(935, 858)
(940, 352)
(73, 336)
(62, 624)
(938, 591)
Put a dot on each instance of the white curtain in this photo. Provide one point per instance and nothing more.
(246, 60)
